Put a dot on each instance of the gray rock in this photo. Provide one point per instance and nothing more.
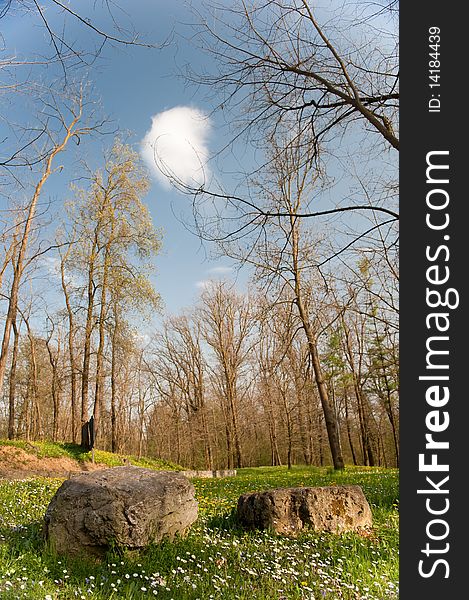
(128, 507)
(288, 510)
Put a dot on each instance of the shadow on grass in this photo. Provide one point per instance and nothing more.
(226, 521)
(25, 550)
(23, 537)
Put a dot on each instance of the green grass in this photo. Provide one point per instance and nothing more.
(217, 560)
(75, 452)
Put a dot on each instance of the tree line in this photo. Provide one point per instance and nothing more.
(242, 378)
(301, 367)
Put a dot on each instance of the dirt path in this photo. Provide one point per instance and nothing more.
(15, 463)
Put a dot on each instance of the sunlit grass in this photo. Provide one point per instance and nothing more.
(217, 560)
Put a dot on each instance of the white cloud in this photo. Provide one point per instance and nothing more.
(141, 339)
(221, 270)
(203, 284)
(177, 145)
(214, 274)
(51, 264)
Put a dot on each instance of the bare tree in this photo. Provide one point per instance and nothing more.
(61, 58)
(227, 326)
(113, 225)
(277, 60)
(334, 85)
(69, 128)
(56, 383)
(71, 336)
(12, 382)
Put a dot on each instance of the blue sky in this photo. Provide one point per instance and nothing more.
(132, 85)
(136, 87)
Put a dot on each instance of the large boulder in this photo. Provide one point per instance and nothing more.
(127, 507)
(289, 510)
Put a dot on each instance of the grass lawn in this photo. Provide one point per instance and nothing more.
(216, 560)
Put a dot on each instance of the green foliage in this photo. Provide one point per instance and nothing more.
(120, 241)
(217, 560)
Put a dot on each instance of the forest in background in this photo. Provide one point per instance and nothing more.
(299, 368)
(229, 382)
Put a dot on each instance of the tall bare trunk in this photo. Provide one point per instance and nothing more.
(114, 440)
(327, 408)
(200, 391)
(229, 454)
(207, 442)
(99, 386)
(349, 433)
(54, 389)
(71, 350)
(12, 386)
(272, 425)
(329, 415)
(362, 403)
(19, 262)
(89, 326)
(34, 418)
(85, 374)
(235, 427)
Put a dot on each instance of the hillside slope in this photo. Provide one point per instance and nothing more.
(20, 460)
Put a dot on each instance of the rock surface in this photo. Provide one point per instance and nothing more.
(289, 510)
(128, 507)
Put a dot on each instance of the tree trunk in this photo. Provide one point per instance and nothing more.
(302, 432)
(362, 404)
(274, 451)
(329, 416)
(389, 412)
(228, 443)
(310, 426)
(114, 443)
(141, 419)
(19, 261)
(200, 390)
(54, 391)
(394, 432)
(207, 443)
(12, 387)
(85, 375)
(321, 453)
(237, 443)
(71, 350)
(35, 417)
(327, 408)
(99, 385)
(368, 455)
(178, 439)
(349, 433)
